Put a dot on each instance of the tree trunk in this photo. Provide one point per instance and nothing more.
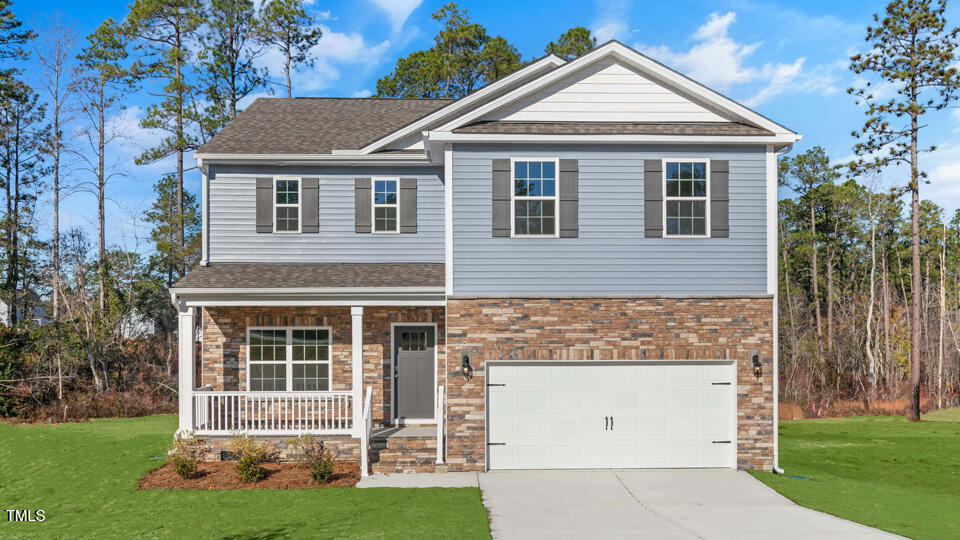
(286, 72)
(913, 409)
(943, 314)
(814, 272)
(872, 366)
(888, 356)
(101, 187)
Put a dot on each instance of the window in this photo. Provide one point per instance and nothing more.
(534, 198)
(286, 205)
(686, 198)
(282, 359)
(385, 205)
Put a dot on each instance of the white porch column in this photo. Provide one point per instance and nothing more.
(186, 367)
(356, 314)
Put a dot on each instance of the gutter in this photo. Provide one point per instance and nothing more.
(450, 137)
(776, 363)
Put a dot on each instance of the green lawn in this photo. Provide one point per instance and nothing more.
(884, 472)
(84, 477)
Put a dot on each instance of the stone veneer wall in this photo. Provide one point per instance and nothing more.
(223, 363)
(609, 329)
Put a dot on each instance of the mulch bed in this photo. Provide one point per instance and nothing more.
(221, 475)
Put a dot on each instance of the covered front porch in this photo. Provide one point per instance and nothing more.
(336, 363)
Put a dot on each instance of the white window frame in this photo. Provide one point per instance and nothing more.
(555, 197)
(299, 205)
(288, 352)
(374, 205)
(663, 188)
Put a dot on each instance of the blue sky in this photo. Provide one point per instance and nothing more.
(787, 60)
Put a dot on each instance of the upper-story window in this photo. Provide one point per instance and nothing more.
(286, 205)
(534, 197)
(385, 204)
(686, 198)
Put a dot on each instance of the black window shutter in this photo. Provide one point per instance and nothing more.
(569, 198)
(362, 202)
(501, 197)
(408, 205)
(720, 198)
(311, 205)
(653, 198)
(264, 205)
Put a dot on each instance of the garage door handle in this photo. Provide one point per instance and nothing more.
(606, 423)
(611, 423)
(721, 442)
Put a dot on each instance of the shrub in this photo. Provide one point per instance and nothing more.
(185, 456)
(313, 454)
(250, 454)
(322, 471)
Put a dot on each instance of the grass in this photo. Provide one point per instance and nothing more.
(884, 472)
(84, 477)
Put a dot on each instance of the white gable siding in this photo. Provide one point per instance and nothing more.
(606, 92)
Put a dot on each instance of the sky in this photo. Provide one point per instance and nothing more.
(787, 60)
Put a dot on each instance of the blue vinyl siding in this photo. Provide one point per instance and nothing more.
(232, 219)
(611, 255)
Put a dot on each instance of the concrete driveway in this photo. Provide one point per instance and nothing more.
(651, 504)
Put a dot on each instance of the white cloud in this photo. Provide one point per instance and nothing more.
(719, 61)
(781, 77)
(611, 20)
(362, 93)
(334, 50)
(716, 60)
(397, 10)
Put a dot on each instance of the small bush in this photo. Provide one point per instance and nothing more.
(322, 471)
(313, 454)
(250, 454)
(185, 456)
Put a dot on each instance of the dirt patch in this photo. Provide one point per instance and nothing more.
(221, 475)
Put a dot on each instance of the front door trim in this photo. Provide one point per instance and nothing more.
(393, 387)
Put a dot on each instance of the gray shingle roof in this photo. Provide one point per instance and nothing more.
(263, 276)
(316, 125)
(612, 128)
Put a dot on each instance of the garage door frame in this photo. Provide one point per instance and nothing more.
(731, 363)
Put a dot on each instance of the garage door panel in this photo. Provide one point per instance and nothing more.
(664, 414)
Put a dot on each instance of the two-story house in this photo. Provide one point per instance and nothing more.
(572, 267)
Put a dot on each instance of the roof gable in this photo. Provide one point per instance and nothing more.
(606, 91)
(613, 71)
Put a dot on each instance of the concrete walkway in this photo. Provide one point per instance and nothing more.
(651, 504)
(705, 503)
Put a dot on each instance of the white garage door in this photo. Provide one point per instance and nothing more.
(620, 415)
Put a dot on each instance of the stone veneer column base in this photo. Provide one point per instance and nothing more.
(594, 329)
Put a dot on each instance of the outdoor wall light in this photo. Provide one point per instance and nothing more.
(465, 366)
(757, 367)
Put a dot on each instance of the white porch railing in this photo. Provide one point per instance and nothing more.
(272, 413)
(438, 414)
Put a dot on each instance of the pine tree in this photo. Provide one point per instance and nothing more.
(912, 49)
(162, 31)
(227, 59)
(286, 26)
(572, 43)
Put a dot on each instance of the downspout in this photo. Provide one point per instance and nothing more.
(776, 353)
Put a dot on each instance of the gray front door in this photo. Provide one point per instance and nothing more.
(413, 383)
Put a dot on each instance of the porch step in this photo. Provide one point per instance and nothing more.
(404, 454)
